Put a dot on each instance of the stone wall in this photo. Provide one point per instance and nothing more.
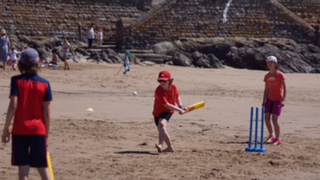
(44, 18)
(169, 20)
(211, 18)
(308, 10)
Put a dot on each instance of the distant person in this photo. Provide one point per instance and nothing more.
(23, 48)
(4, 47)
(66, 50)
(42, 59)
(273, 99)
(29, 109)
(54, 61)
(13, 57)
(91, 35)
(167, 100)
(126, 62)
(100, 37)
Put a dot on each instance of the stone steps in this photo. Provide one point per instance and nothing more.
(141, 55)
(156, 58)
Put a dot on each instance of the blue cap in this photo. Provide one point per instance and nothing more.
(30, 56)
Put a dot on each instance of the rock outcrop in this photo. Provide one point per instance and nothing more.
(249, 53)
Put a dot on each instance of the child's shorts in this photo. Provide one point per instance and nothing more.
(273, 107)
(66, 52)
(127, 68)
(29, 150)
(166, 116)
(9, 62)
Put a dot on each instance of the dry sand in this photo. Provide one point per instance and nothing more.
(116, 140)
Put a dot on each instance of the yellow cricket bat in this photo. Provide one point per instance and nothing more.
(196, 106)
(50, 165)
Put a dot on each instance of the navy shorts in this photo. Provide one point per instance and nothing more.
(29, 151)
(166, 116)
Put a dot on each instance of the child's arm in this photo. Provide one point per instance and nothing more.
(284, 92)
(10, 114)
(179, 103)
(174, 108)
(69, 45)
(265, 93)
(46, 108)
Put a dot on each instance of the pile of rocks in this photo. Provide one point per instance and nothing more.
(249, 53)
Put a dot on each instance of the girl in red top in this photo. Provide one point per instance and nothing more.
(273, 99)
(167, 100)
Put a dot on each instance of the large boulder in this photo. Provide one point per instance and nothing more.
(180, 59)
(115, 57)
(206, 61)
(164, 47)
(251, 53)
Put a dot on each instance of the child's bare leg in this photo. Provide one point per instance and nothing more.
(276, 126)
(163, 134)
(44, 173)
(24, 172)
(159, 148)
(169, 149)
(65, 62)
(161, 137)
(68, 68)
(268, 123)
(167, 140)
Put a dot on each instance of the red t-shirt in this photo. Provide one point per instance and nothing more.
(163, 97)
(274, 85)
(31, 92)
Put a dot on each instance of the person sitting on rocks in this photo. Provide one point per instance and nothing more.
(54, 62)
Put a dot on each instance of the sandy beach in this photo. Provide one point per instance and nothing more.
(116, 140)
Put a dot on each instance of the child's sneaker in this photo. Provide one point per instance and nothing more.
(277, 143)
(271, 140)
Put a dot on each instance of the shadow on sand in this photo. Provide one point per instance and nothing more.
(234, 142)
(137, 152)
